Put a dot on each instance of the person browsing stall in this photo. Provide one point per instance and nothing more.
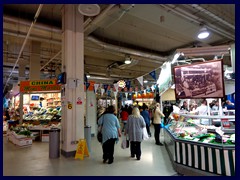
(157, 117)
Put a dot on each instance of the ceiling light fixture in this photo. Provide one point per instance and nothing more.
(145, 81)
(89, 9)
(128, 60)
(88, 76)
(203, 33)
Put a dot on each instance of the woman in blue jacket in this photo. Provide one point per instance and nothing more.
(110, 133)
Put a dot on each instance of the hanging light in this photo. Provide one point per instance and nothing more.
(128, 60)
(203, 33)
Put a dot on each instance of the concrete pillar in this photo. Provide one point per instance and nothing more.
(73, 65)
(34, 72)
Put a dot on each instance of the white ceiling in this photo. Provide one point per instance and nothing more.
(149, 33)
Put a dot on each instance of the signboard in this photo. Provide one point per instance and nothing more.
(39, 85)
(79, 101)
(199, 80)
(69, 106)
(121, 83)
(82, 149)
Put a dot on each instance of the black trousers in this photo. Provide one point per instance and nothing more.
(135, 148)
(108, 149)
(148, 129)
(157, 132)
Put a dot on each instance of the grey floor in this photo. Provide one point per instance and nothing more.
(34, 161)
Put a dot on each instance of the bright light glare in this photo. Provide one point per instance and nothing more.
(203, 35)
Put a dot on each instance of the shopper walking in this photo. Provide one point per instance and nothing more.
(124, 117)
(145, 114)
(157, 117)
(110, 133)
(134, 130)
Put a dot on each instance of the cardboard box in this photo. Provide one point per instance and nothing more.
(23, 142)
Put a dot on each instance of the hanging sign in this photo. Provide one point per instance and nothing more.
(115, 87)
(82, 149)
(105, 86)
(121, 84)
(153, 74)
(128, 84)
(39, 85)
(140, 80)
(79, 101)
(96, 87)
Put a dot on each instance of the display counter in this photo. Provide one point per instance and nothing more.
(195, 155)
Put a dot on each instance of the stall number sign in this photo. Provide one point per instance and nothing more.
(69, 106)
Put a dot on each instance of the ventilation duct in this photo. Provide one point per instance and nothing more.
(126, 50)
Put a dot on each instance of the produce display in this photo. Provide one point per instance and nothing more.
(43, 114)
(188, 130)
(21, 130)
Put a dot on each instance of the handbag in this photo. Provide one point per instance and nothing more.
(125, 143)
(99, 134)
(145, 134)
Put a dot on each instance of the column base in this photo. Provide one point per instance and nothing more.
(68, 154)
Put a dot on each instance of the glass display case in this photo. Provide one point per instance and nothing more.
(200, 148)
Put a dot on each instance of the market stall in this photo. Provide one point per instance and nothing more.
(197, 149)
(41, 104)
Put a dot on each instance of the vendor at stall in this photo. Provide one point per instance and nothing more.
(202, 110)
(6, 115)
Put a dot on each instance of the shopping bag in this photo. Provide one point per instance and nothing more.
(145, 134)
(125, 143)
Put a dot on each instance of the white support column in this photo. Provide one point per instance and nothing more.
(34, 73)
(73, 65)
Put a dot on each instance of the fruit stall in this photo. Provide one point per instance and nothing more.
(41, 101)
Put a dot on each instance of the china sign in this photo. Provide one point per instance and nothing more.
(39, 85)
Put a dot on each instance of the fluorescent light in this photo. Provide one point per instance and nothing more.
(203, 33)
(88, 76)
(145, 81)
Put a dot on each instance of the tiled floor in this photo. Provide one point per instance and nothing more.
(34, 161)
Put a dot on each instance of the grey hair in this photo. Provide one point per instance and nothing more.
(136, 112)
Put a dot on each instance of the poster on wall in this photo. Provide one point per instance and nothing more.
(199, 80)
